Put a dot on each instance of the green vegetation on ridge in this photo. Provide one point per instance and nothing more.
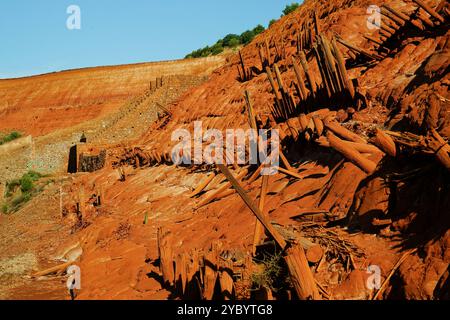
(20, 191)
(10, 137)
(232, 41)
(290, 8)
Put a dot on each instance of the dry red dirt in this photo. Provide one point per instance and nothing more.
(45, 103)
(394, 217)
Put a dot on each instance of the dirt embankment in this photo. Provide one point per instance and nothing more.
(42, 104)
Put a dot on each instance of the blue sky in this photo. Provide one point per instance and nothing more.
(35, 38)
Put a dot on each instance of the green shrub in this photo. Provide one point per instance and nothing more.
(35, 176)
(26, 184)
(234, 43)
(233, 40)
(258, 29)
(230, 41)
(16, 197)
(216, 49)
(290, 8)
(10, 137)
(247, 36)
(11, 187)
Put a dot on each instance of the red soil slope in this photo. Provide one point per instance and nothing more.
(42, 104)
(405, 90)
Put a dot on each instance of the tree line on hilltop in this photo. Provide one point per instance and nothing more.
(232, 40)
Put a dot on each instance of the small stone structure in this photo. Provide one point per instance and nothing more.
(85, 158)
(91, 162)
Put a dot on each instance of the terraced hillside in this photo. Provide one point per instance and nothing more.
(42, 104)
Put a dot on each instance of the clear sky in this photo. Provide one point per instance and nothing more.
(34, 37)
